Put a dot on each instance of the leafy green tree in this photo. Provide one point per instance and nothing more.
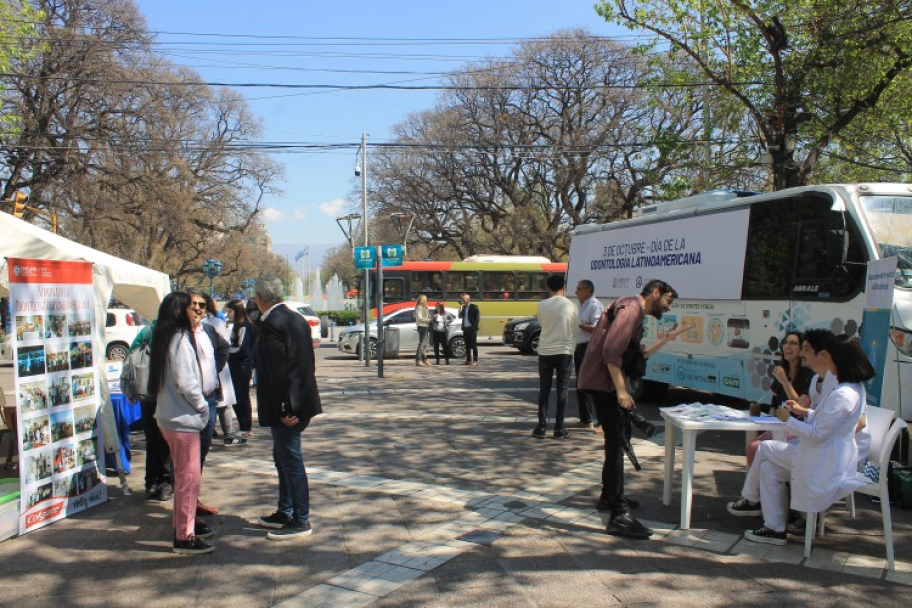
(803, 70)
(17, 26)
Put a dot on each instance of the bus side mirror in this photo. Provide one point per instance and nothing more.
(837, 247)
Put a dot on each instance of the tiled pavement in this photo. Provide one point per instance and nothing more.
(428, 490)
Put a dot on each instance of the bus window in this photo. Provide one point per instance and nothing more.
(497, 285)
(427, 283)
(531, 285)
(461, 281)
(812, 267)
(393, 290)
(769, 260)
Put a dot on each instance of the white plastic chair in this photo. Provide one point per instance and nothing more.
(883, 438)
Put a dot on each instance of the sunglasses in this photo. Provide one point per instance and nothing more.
(200, 305)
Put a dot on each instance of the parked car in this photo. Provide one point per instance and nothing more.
(350, 338)
(121, 327)
(311, 317)
(523, 334)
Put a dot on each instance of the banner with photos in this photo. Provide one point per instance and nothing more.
(57, 391)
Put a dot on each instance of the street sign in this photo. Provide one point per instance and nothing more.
(364, 257)
(392, 255)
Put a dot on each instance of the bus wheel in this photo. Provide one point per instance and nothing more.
(457, 347)
(646, 390)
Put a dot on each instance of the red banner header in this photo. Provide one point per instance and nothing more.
(25, 270)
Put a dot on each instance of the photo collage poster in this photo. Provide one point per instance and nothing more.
(57, 389)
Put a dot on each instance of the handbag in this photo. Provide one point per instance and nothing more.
(633, 362)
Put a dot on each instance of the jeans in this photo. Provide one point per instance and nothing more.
(158, 456)
(614, 427)
(583, 398)
(294, 492)
(547, 366)
(440, 339)
(240, 378)
(470, 335)
(421, 353)
(207, 432)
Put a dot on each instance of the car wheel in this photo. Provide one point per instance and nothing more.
(373, 347)
(533, 343)
(116, 351)
(457, 348)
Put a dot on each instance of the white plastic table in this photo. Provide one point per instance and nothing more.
(689, 421)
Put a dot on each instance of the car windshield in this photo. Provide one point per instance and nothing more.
(890, 217)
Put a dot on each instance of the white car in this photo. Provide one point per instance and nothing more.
(121, 327)
(403, 320)
(311, 317)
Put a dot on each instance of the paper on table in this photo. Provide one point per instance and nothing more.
(765, 419)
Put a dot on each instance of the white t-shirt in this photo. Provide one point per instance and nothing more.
(559, 320)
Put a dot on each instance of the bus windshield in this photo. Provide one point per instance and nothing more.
(890, 217)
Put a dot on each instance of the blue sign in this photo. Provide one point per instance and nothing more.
(392, 255)
(364, 257)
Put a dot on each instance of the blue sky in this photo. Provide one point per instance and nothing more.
(319, 186)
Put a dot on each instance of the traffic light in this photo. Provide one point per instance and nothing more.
(19, 200)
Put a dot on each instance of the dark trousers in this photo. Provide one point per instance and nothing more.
(294, 489)
(470, 335)
(583, 398)
(240, 379)
(158, 455)
(440, 339)
(614, 427)
(206, 433)
(548, 366)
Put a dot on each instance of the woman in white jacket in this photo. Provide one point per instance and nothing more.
(822, 466)
(181, 413)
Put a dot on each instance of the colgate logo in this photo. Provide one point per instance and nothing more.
(44, 514)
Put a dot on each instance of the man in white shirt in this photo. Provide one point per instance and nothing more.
(589, 312)
(559, 320)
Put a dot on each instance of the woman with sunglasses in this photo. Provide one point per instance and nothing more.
(791, 380)
(182, 411)
(821, 467)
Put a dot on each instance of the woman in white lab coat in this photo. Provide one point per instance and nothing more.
(822, 466)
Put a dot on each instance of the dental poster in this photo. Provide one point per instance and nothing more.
(57, 393)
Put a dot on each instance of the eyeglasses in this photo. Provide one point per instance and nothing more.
(791, 343)
(200, 305)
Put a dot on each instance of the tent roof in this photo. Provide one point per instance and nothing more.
(138, 287)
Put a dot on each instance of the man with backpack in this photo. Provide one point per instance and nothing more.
(603, 375)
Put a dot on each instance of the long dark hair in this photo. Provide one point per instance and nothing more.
(785, 364)
(241, 318)
(851, 363)
(172, 319)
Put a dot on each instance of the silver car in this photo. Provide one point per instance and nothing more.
(403, 321)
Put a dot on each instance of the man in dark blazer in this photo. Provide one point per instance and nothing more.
(287, 398)
(471, 319)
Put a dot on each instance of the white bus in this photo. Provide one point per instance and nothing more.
(748, 267)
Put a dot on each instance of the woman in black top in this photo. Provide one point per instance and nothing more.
(240, 362)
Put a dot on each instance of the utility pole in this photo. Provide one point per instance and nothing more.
(365, 297)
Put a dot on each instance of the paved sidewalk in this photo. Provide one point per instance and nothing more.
(428, 490)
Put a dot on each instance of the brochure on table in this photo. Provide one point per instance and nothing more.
(57, 390)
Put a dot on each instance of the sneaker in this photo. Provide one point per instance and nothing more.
(276, 521)
(192, 545)
(291, 530)
(164, 494)
(624, 524)
(796, 524)
(245, 434)
(539, 433)
(766, 535)
(561, 434)
(233, 441)
(151, 490)
(581, 425)
(202, 530)
(744, 508)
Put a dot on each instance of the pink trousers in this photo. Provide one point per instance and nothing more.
(185, 454)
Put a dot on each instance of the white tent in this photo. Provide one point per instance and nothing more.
(140, 288)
